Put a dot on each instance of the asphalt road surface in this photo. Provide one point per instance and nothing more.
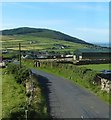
(68, 100)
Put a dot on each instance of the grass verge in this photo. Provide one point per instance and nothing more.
(15, 100)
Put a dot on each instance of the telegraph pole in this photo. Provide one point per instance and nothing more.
(20, 54)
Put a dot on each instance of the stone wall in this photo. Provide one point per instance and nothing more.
(104, 83)
(85, 62)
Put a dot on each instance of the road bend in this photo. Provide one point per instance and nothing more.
(68, 100)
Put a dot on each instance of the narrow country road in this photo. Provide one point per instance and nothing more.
(67, 100)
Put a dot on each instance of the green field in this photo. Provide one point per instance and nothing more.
(29, 42)
(98, 67)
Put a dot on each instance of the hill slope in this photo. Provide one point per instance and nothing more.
(46, 33)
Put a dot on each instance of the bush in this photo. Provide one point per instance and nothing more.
(89, 76)
(20, 74)
(17, 114)
(12, 68)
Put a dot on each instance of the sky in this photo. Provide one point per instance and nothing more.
(88, 21)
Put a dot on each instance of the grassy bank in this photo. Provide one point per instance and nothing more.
(38, 106)
(15, 100)
(79, 75)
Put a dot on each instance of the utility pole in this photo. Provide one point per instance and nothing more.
(20, 54)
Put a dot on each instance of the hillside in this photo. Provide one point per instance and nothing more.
(45, 33)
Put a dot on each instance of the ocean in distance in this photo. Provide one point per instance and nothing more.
(103, 44)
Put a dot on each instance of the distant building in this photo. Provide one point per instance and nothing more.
(4, 51)
(2, 63)
(69, 56)
(92, 54)
(105, 71)
(25, 56)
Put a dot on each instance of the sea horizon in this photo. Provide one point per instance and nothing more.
(108, 44)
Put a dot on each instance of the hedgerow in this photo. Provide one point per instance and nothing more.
(83, 73)
(20, 74)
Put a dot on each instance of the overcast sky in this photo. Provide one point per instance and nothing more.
(86, 20)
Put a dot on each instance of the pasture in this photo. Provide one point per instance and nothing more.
(97, 67)
(29, 42)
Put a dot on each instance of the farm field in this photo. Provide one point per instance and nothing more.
(29, 42)
(98, 67)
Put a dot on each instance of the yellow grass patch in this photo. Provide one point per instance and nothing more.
(25, 48)
(6, 37)
(11, 40)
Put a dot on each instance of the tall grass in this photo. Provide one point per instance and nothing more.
(13, 98)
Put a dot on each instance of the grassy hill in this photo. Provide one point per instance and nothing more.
(40, 39)
(45, 33)
(30, 42)
(33, 39)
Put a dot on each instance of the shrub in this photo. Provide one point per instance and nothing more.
(20, 74)
(12, 68)
(89, 76)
